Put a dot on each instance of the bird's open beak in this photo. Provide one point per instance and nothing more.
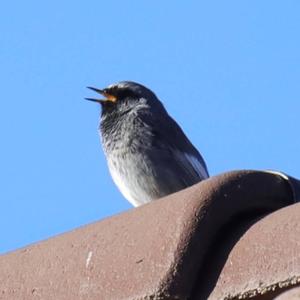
(107, 96)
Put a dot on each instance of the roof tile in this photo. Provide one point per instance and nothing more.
(189, 244)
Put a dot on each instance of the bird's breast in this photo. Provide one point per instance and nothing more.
(124, 135)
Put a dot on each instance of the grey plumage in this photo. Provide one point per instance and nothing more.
(148, 154)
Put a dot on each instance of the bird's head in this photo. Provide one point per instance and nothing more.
(124, 95)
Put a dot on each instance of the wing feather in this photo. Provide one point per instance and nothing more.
(172, 152)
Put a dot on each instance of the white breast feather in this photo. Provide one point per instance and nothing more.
(122, 187)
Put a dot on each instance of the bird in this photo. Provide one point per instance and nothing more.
(148, 154)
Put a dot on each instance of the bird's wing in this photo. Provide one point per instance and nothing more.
(174, 150)
(196, 162)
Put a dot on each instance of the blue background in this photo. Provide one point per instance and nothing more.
(227, 71)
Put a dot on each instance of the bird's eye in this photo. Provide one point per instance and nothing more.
(124, 93)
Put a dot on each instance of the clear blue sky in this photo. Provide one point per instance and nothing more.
(227, 71)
